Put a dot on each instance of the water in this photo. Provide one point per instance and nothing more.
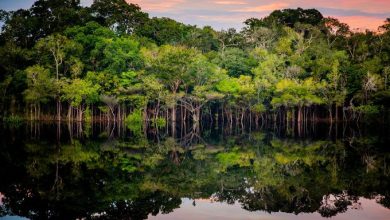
(109, 172)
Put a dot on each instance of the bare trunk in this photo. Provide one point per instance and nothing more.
(299, 114)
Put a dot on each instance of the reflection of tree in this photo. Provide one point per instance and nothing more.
(132, 178)
(331, 205)
(152, 203)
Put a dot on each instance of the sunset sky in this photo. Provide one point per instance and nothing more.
(222, 14)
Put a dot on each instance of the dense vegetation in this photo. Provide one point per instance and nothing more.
(111, 61)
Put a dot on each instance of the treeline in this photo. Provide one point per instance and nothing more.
(112, 62)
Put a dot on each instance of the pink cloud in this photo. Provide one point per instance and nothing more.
(156, 5)
(368, 6)
(223, 18)
(230, 2)
(263, 8)
(363, 14)
(362, 22)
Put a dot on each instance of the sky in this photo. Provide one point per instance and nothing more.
(223, 14)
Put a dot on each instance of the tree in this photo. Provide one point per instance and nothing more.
(266, 74)
(334, 91)
(202, 79)
(94, 38)
(290, 17)
(40, 88)
(170, 64)
(120, 16)
(336, 30)
(371, 83)
(235, 61)
(291, 94)
(121, 54)
(165, 31)
(205, 39)
(79, 93)
(260, 37)
(229, 38)
(26, 27)
(386, 75)
(58, 48)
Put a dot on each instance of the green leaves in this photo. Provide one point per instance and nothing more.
(40, 85)
(80, 91)
(291, 93)
(121, 54)
(293, 58)
(235, 158)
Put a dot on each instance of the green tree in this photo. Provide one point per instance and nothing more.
(79, 93)
(59, 50)
(171, 64)
(120, 16)
(40, 89)
(291, 94)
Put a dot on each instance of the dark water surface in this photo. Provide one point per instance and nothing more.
(109, 172)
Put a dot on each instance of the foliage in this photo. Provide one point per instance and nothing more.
(134, 121)
(114, 54)
(13, 120)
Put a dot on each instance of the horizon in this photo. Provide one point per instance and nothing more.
(223, 14)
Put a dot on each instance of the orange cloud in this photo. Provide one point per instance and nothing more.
(372, 6)
(156, 5)
(362, 22)
(368, 6)
(362, 14)
(263, 8)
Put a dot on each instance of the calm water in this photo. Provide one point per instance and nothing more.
(110, 172)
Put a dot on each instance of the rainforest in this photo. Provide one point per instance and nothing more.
(109, 113)
(110, 61)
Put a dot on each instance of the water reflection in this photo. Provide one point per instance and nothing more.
(109, 172)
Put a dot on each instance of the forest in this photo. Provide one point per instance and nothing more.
(112, 62)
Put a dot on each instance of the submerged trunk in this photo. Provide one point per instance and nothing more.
(196, 120)
(299, 114)
(330, 114)
(69, 113)
(173, 112)
(58, 110)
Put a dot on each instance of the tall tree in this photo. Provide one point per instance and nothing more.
(171, 64)
(120, 16)
(56, 48)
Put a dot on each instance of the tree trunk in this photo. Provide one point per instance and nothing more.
(173, 113)
(196, 119)
(69, 112)
(299, 114)
(58, 110)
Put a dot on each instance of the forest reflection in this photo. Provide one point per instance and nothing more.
(107, 171)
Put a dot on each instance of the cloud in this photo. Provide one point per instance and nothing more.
(367, 6)
(224, 13)
(362, 23)
(348, 12)
(263, 8)
(231, 2)
(157, 5)
(223, 18)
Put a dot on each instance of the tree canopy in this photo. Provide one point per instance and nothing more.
(293, 62)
